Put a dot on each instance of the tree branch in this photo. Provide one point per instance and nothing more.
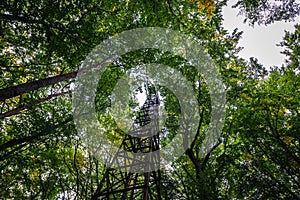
(23, 107)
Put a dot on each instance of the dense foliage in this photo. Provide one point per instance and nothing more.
(42, 44)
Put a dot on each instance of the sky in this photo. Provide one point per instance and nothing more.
(260, 41)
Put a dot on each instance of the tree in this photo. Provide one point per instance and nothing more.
(43, 43)
(267, 12)
(291, 45)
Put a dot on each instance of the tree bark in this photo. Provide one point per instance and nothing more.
(14, 91)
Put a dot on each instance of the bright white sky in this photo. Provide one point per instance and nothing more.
(260, 41)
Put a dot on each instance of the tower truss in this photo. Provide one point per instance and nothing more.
(137, 175)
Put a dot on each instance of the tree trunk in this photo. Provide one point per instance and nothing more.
(14, 91)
